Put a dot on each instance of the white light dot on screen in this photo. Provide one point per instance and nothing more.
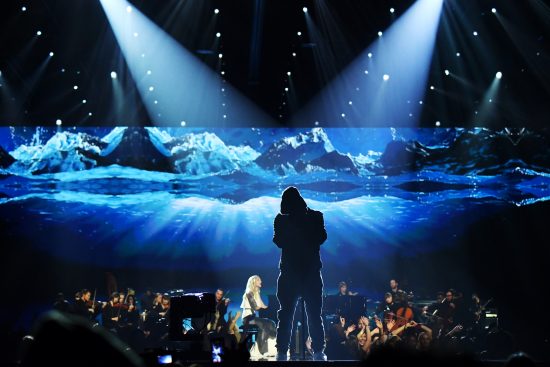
(84, 101)
(216, 11)
(218, 35)
(75, 87)
(224, 116)
(447, 72)
(386, 77)
(151, 88)
(142, 56)
(294, 54)
(437, 123)
(458, 54)
(136, 34)
(498, 75)
(51, 54)
(149, 72)
(432, 87)
(183, 123)
(89, 114)
(58, 122)
(220, 56)
(304, 9)
(24, 8)
(286, 89)
(39, 33)
(420, 102)
(288, 73)
(343, 115)
(222, 72)
(380, 34)
(63, 70)
(475, 33)
(369, 55)
(113, 75)
(366, 72)
(392, 10)
(350, 103)
(299, 33)
(494, 11)
(410, 115)
(156, 102)
(223, 89)
(128, 9)
(316, 123)
(223, 104)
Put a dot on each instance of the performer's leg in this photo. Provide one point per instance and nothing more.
(313, 295)
(287, 296)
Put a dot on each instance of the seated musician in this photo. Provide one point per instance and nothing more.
(252, 302)
(111, 312)
(85, 306)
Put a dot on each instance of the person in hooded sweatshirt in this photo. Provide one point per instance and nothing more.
(299, 232)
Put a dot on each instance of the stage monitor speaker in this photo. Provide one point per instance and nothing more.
(187, 306)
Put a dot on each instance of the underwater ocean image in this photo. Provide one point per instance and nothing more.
(193, 208)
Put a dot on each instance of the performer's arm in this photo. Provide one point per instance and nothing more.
(252, 301)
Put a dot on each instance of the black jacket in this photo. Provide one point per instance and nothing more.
(300, 237)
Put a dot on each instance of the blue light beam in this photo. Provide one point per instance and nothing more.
(174, 85)
(388, 80)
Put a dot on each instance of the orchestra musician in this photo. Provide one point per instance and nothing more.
(85, 306)
(111, 312)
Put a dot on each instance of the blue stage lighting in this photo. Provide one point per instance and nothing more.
(38, 33)
(494, 11)
(218, 35)
(498, 75)
(447, 72)
(304, 9)
(392, 10)
(128, 9)
(386, 77)
(58, 122)
(51, 54)
(380, 34)
(216, 11)
(113, 75)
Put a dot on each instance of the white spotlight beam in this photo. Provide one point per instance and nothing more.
(404, 54)
(183, 88)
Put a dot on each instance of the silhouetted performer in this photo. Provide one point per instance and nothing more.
(299, 231)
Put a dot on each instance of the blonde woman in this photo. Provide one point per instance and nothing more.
(251, 303)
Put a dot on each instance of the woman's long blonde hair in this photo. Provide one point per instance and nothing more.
(251, 285)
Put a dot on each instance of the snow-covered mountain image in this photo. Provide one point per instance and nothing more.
(158, 196)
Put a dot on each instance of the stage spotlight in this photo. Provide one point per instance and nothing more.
(343, 115)
(24, 8)
(216, 11)
(447, 72)
(369, 55)
(392, 10)
(494, 11)
(475, 33)
(304, 9)
(299, 33)
(113, 75)
(148, 72)
(151, 88)
(294, 54)
(286, 89)
(75, 87)
(183, 123)
(136, 34)
(288, 73)
(89, 114)
(432, 87)
(84, 101)
(218, 35)
(156, 102)
(58, 122)
(224, 116)
(128, 9)
(458, 54)
(437, 123)
(386, 77)
(350, 103)
(51, 54)
(222, 72)
(39, 33)
(380, 34)
(366, 72)
(498, 75)
(220, 56)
